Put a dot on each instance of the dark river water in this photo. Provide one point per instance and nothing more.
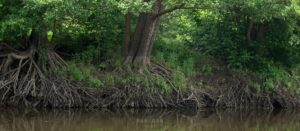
(148, 120)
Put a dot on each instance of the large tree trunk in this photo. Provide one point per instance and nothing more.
(250, 29)
(127, 32)
(261, 33)
(142, 41)
(255, 31)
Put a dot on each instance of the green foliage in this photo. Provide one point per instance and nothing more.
(259, 10)
(179, 79)
(150, 82)
(90, 31)
(110, 80)
(160, 82)
(49, 35)
(275, 77)
(80, 73)
(222, 34)
(207, 69)
(63, 71)
(134, 5)
(76, 73)
(19, 17)
(94, 82)
(88, 55)
(175, 56)
(137, 6)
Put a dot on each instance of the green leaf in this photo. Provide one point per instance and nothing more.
(49, 35)
(29, 32)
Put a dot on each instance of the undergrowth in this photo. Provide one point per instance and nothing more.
(81, 73)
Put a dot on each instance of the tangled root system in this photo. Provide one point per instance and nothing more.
(134, 97)
(28, 78)
(234, 91)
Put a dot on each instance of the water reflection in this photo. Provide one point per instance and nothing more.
(147, 120)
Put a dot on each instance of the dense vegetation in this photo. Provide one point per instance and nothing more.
(150, 53)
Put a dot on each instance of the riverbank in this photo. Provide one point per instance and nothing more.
(150, 54)
(218, 89)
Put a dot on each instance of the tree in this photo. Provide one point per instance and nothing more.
(249, 33)
(258, 14)
(28, 61)
(138, 47)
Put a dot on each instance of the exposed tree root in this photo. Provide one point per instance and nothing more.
(226, 91)
(29, 79)
(135, 97)
(232, 91)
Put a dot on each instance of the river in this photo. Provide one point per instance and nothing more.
(148, 120)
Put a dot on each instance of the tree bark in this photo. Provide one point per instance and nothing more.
(142, 41)
(261, 34)
(250, 29)
(127, 32)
